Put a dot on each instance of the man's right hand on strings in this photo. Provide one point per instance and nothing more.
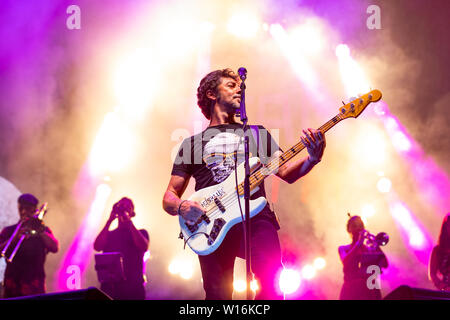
(191, 211)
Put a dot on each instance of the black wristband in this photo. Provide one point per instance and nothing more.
(179, 207)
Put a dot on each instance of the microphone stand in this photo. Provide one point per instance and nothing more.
(243, 115)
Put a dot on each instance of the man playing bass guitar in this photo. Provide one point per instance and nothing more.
(211, 157)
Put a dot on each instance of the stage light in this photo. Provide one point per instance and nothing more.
(301, 67)
(391, 124)
(352, 75)
(289, 281)
(135, 83)
(384, 185)
(367, 211)
(400, 141)
(102, 194)
(81, 246)
(174, 267)
(308, 272)
(181, 266)
(416, 238)
(254, 285)
(243, 24)
(207, 27)
(342, 51)
(380, 108)
(369, 146)
(414, 234)
(307, 38)
(239, 285)
(113, 146)
(402, 215)
(187, 271)
(319, 263)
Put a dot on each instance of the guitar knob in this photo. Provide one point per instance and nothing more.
(370, 97)
(343, 110)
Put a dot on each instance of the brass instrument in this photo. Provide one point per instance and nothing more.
(374, 242)
(35, 223)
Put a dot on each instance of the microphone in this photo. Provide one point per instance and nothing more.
(242, 73)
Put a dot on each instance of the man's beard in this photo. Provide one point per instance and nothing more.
(231, 107)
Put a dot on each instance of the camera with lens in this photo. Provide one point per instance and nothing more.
(119, 209)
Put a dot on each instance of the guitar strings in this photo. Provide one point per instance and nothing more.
(255, 179)
(215, 212)
(231, 197)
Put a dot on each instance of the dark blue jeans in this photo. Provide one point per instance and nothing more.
(217, 267)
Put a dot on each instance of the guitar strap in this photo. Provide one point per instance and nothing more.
(255, 133)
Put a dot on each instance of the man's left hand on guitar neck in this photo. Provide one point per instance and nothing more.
(314, 141)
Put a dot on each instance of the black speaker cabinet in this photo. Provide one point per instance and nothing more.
(407, 293)
(90, 293)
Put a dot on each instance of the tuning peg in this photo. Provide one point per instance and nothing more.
(343, 103)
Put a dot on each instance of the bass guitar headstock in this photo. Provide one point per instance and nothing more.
(354, 108)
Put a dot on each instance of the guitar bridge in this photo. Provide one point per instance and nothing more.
(218, 224)
(194, 227)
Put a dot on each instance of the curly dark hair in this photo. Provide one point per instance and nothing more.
(210, 82)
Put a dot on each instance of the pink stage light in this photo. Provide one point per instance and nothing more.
(79, 254)
(319, 263)
(414, 235)
(308, 272)
(289, 281)
(432, 180)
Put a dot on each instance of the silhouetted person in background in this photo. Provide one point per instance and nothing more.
(439, 266)
(357, 259)
(132, 244)
(25, 274)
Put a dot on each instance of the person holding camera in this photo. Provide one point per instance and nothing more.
(132, 244)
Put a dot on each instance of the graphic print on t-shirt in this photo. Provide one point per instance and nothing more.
(219, 154)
